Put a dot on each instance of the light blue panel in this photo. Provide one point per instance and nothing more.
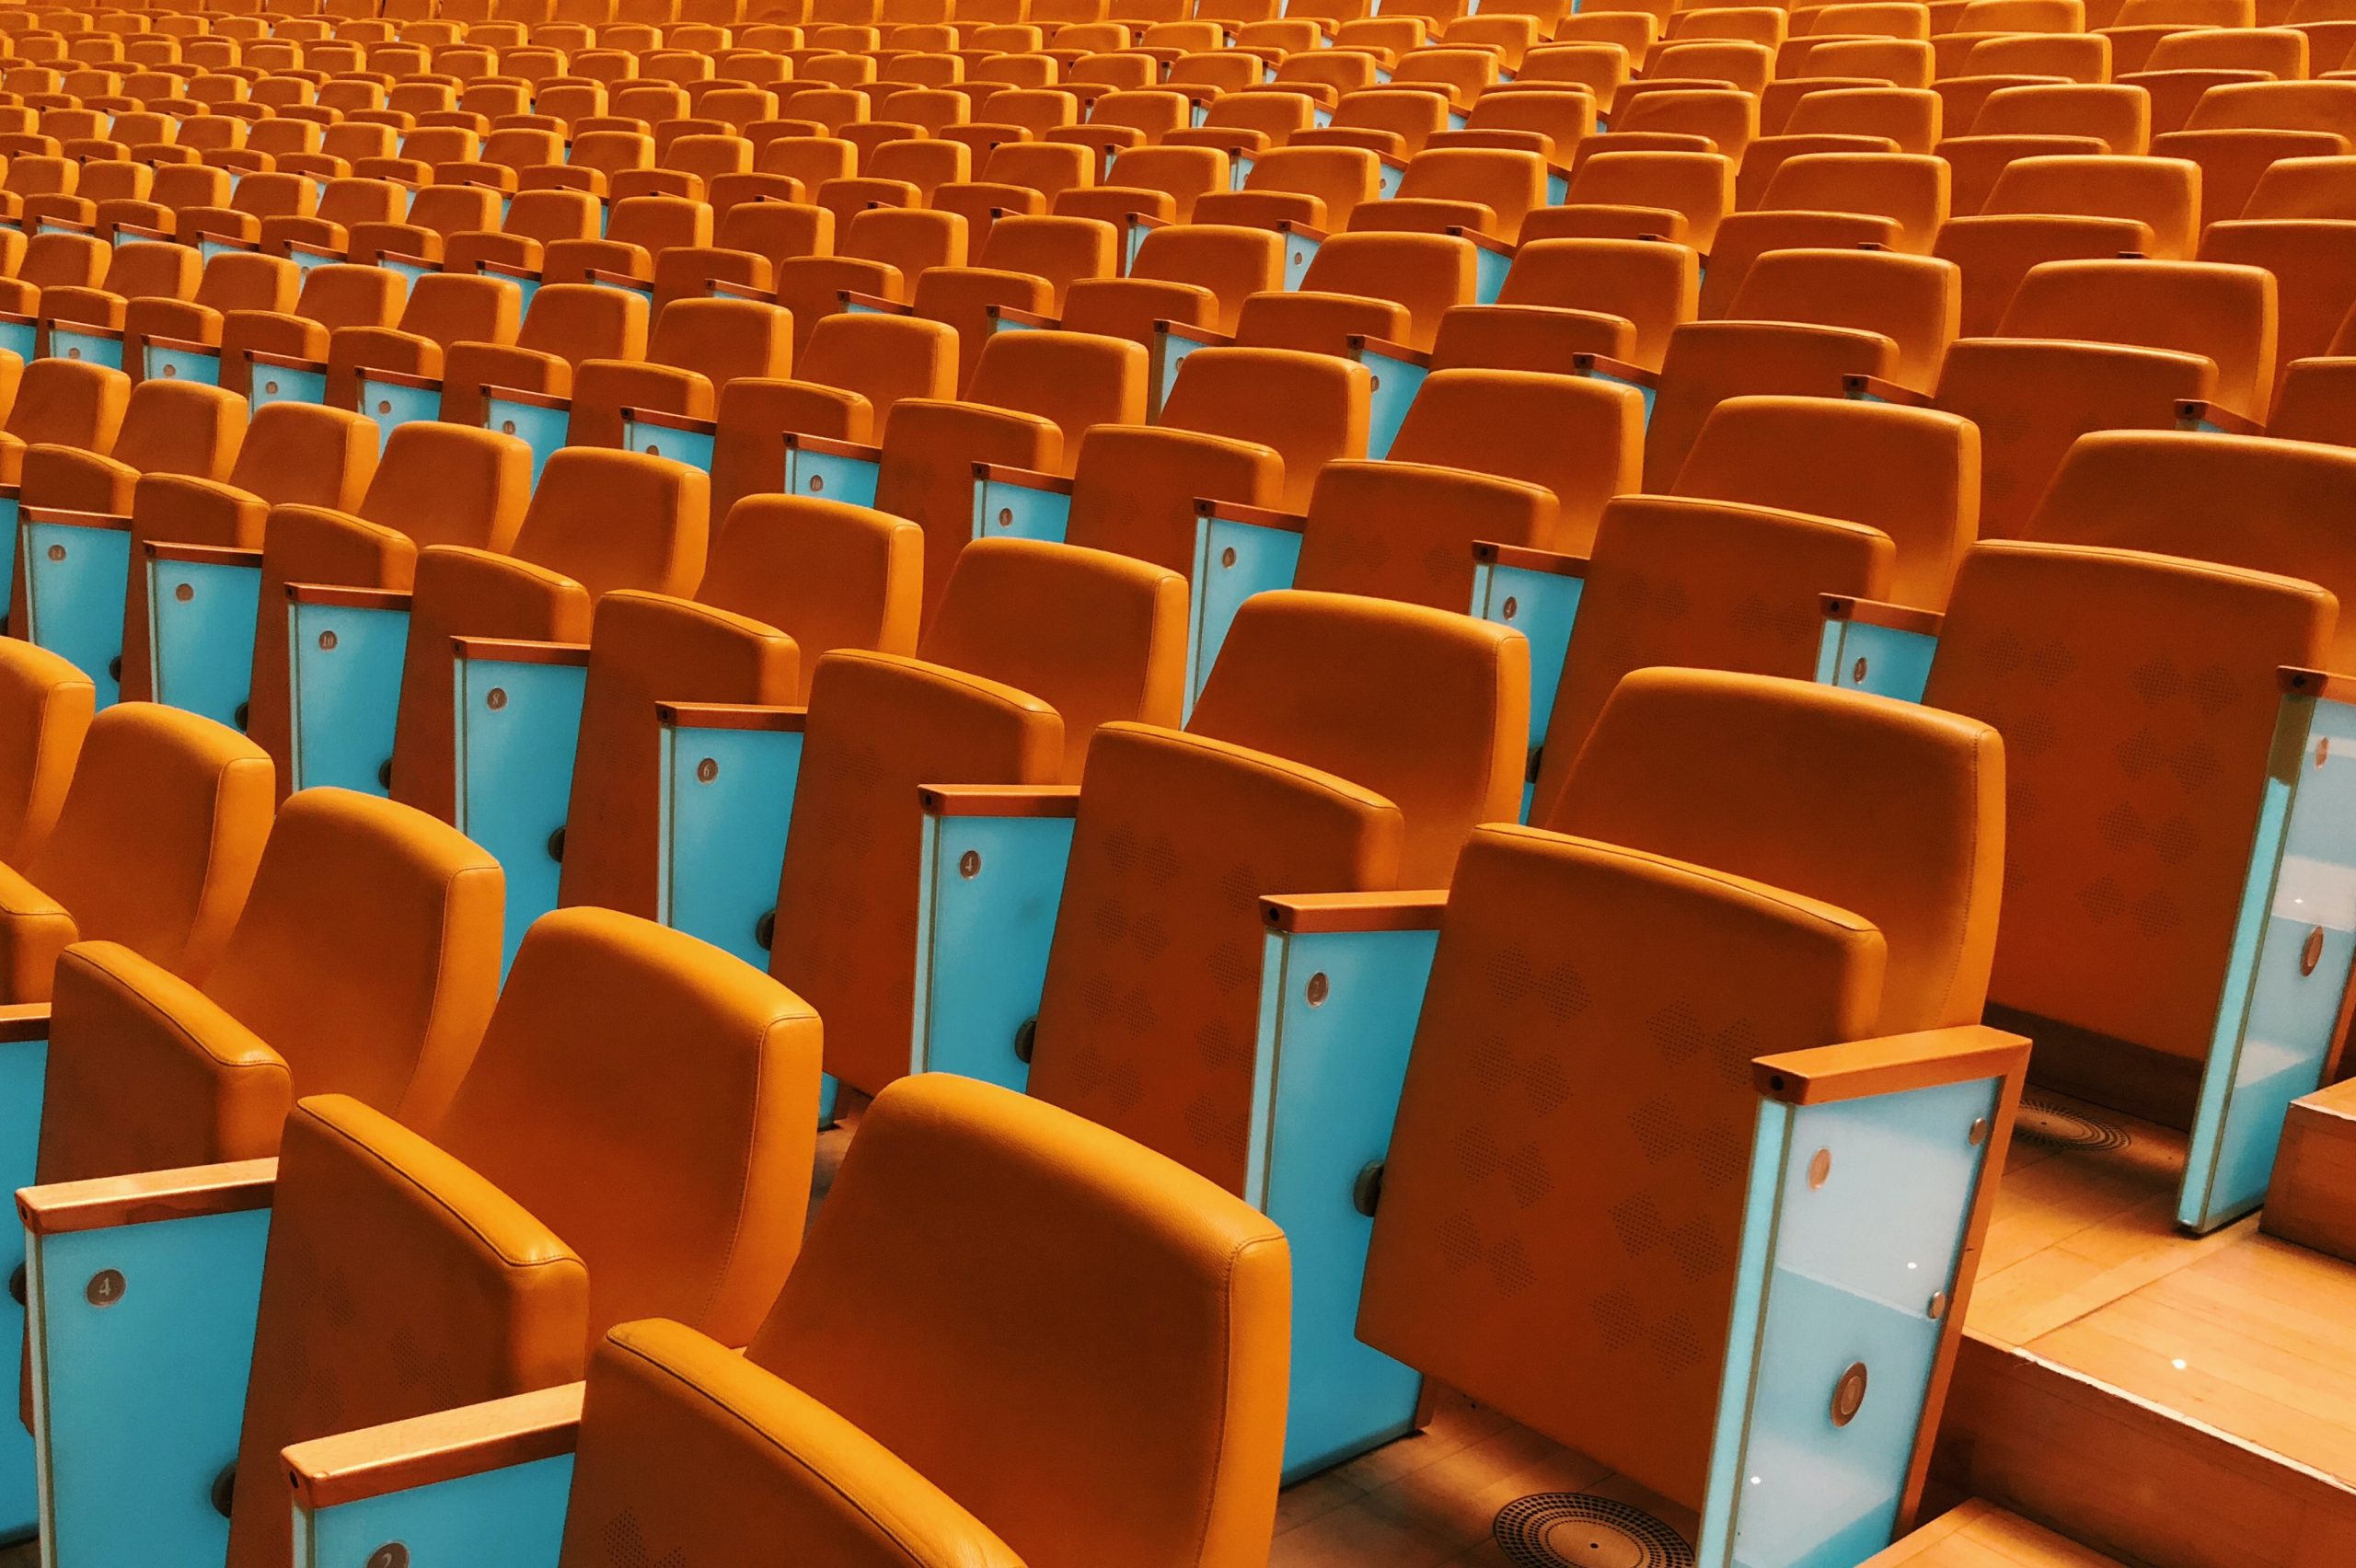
(692, 447)
(514, 1517)
(1856, 1271)
(853, 308)
(276, 384)
(541, 429)
(210, 246)
(1133, 232)
(18, 337)
(517, 727)
(1240, 166)
(2288, 970)
(1650, 394)
(201, 635)
(408, 271)
(73, 589)
(1321, 117)
(727, 805)
(392, 407)
(345, 694)
(1003, 511)
(1299, 251)
(1489, 269)
(140, 1401)
(9, 532)
(1558, 187)
(1006, 324)
(1232, 561)
(1544, 607)
(1397, 382)
(1388, 178)
(91, 348)
(181, 365)
(1458, 120)
(982, 940)
(304, 261)
(848, 480)
(529, 283)
(1326, 1078)
(1169, 352)
(24, 1076)
(1883, 660)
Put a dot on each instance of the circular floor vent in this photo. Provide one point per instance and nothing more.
(1573, 1530)
(2051, 1123)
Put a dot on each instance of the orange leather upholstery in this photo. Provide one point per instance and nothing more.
(436, 484)
(1708, 361)
(1302, 770)
(1312, 408)
(2228, 312)
(1575, 1179)
(1698, 583)
(1579, 438)
(66, 403)
(598, 521)
(791, 578)
(969, 1228)
(1912, 473)
(1036, 645)
(154, 848)
(1919, 850)
(45, 709)
(2137, 696)
(366, 963)
(1134, 487)
(582, 1177)
(1406, 531)
(686, 1445)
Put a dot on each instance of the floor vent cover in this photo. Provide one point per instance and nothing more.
(2054, 1123)
(1574, 1530)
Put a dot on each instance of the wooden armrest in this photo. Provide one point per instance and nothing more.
(618, 279)
(182, 345)
(111, 1201)
(304, 248)
(729, 715)
(1258, 517)
(1875, 612)
(1392, 160)
(1027, 479)
(1360, 343)
(202, 555)
(337, 595)
(516, 650)
(1619, 370)
(998, 800)
(721, 288)
(99, 521)
(1204, 337)
(17, 319)
(22, 1021)
(2224, 419)
(1523, 559)
(1483, 241)
(285, 362)
(663, 420)
(508, 269)
(137, 231)
(400, 379)
(1875, 388)
(87, 329)
(403, 1456)
(826, 447)
(405, 260)
(874, 302)
(1858, 1069)
(1304, 913)
(1148, 221)
(1310, 232)
(528, 399)
(1021, 318)
(230, 241)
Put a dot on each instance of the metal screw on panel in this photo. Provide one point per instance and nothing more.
(114, 668)
(1005, 517)
(106, 1287)
(1858, 671)
(497, 698)
(224, 1490)
(271, 387)
(385, 406)
(184, 593)
(385, 772)
(1819, 1169)
(817, 483)
(2311, 953)
(1938, 1308)
(1319, 989)
(1365, 1191)
(1227, 556)
(327, 642)
(57, 552)
(1848, 1394)
(969, 864)
(556, 845)
(392, 1554)
(707, 770)
(245, 711)
(170, 370)
(765, 929)
(1513, 606)
(2323, 750)
(1979, 1133)
(1026, 1039)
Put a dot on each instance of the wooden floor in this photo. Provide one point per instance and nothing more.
(1980, 1535)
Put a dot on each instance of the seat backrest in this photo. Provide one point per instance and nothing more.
(1425, 272)
(1231, 261)
(2271, 506)
(1190, 1486)
(1708, 361)
(579, 1179)
(1406, 531)
(180, 427)
(45, 709)
(448, 309)
(74, 403)
(1578, 438)
(1922, 857)
(157, 841)
(1704, 584)
(578, 321)
(658, 222)
(1911, 473)
(239, 281)
(1428, 708)
(2278, 106)
(340, 295)
(1313, 409)
(2120, 115)
(1545, 1165)
(1059, 250)
(2138, 697)
(618, 520)
(1914, 301)
(1655, 286)
(2225, 311)
(1911, 188)
(2305, 187)
(1076, 379)
(146, 269)
(446, 485)
(2163, 193)
(710, 1454)
(308, 455)
(1699, 186)
(365, 962)
(722, 339)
